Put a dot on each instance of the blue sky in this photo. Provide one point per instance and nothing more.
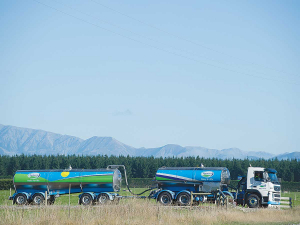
(216, 74)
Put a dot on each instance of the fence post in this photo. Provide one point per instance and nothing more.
(46, 197)
(10, 195)
(192, 199)
(69, 199)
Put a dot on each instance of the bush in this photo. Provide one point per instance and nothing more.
(290, 186)
(138, 182)
(6, 184)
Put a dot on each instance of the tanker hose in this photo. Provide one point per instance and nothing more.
(116, 166)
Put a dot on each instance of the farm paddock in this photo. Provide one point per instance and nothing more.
(139, 211)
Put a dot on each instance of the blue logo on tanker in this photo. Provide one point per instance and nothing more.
(207, 174)
(34, 175)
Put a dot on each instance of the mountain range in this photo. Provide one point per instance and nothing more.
(16, 141)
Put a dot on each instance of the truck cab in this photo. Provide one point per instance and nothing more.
(259, 189)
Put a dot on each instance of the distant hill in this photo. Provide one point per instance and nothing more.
(292, 155)
(16, 140)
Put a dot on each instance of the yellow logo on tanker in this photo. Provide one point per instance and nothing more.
(65, 174)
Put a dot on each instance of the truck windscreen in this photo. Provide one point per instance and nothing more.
(273, 177)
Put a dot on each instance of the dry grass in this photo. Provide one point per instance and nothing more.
(142, 212)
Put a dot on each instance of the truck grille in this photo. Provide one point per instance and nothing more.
(277, 188)
(276, 195)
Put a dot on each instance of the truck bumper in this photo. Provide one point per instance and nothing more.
(273, 204)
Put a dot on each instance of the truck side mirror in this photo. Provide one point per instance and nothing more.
(266, 177)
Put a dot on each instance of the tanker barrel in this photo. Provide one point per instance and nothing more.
(115, 166)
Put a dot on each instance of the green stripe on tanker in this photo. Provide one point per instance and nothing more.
(23, 178)
(104, 179)
(92, 179)
(162, 178)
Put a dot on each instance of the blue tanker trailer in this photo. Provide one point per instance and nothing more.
(97, 185)
(175, 184)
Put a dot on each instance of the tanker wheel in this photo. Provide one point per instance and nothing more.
(165, 198)
(38, 199)
(20, 199)
(103, 198)
(253, 201)
(86, 199)
(183, 198)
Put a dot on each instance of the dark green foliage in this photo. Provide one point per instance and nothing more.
(6, 184)
(143, 167)
(290, 186)
(139, 183)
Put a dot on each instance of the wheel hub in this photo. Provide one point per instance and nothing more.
(20, 200)
(253, 201)
(86, 199)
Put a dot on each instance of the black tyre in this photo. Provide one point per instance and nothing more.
(165, 198)
(86, 199)
(253, 201)
(103, 198)
(38, 199)
(183, 198)
(20, 199)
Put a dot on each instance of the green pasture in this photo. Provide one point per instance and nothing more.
(295, 197)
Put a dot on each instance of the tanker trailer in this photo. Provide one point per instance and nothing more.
(96, 185)
(175, 184)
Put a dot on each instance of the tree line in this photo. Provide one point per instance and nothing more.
(143, 167)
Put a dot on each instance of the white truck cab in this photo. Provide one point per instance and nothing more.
(263, 188)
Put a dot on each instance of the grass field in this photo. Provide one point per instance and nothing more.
(139, 211)
(295, 197)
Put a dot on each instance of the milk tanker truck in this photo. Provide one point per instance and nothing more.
(179, 185)
(96, 185)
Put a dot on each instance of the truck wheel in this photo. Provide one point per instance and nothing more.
(38, 199)
(253, 201)
(183, 198)
(165, 198)
(86, 199)
(20, 199)
(103, 198)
